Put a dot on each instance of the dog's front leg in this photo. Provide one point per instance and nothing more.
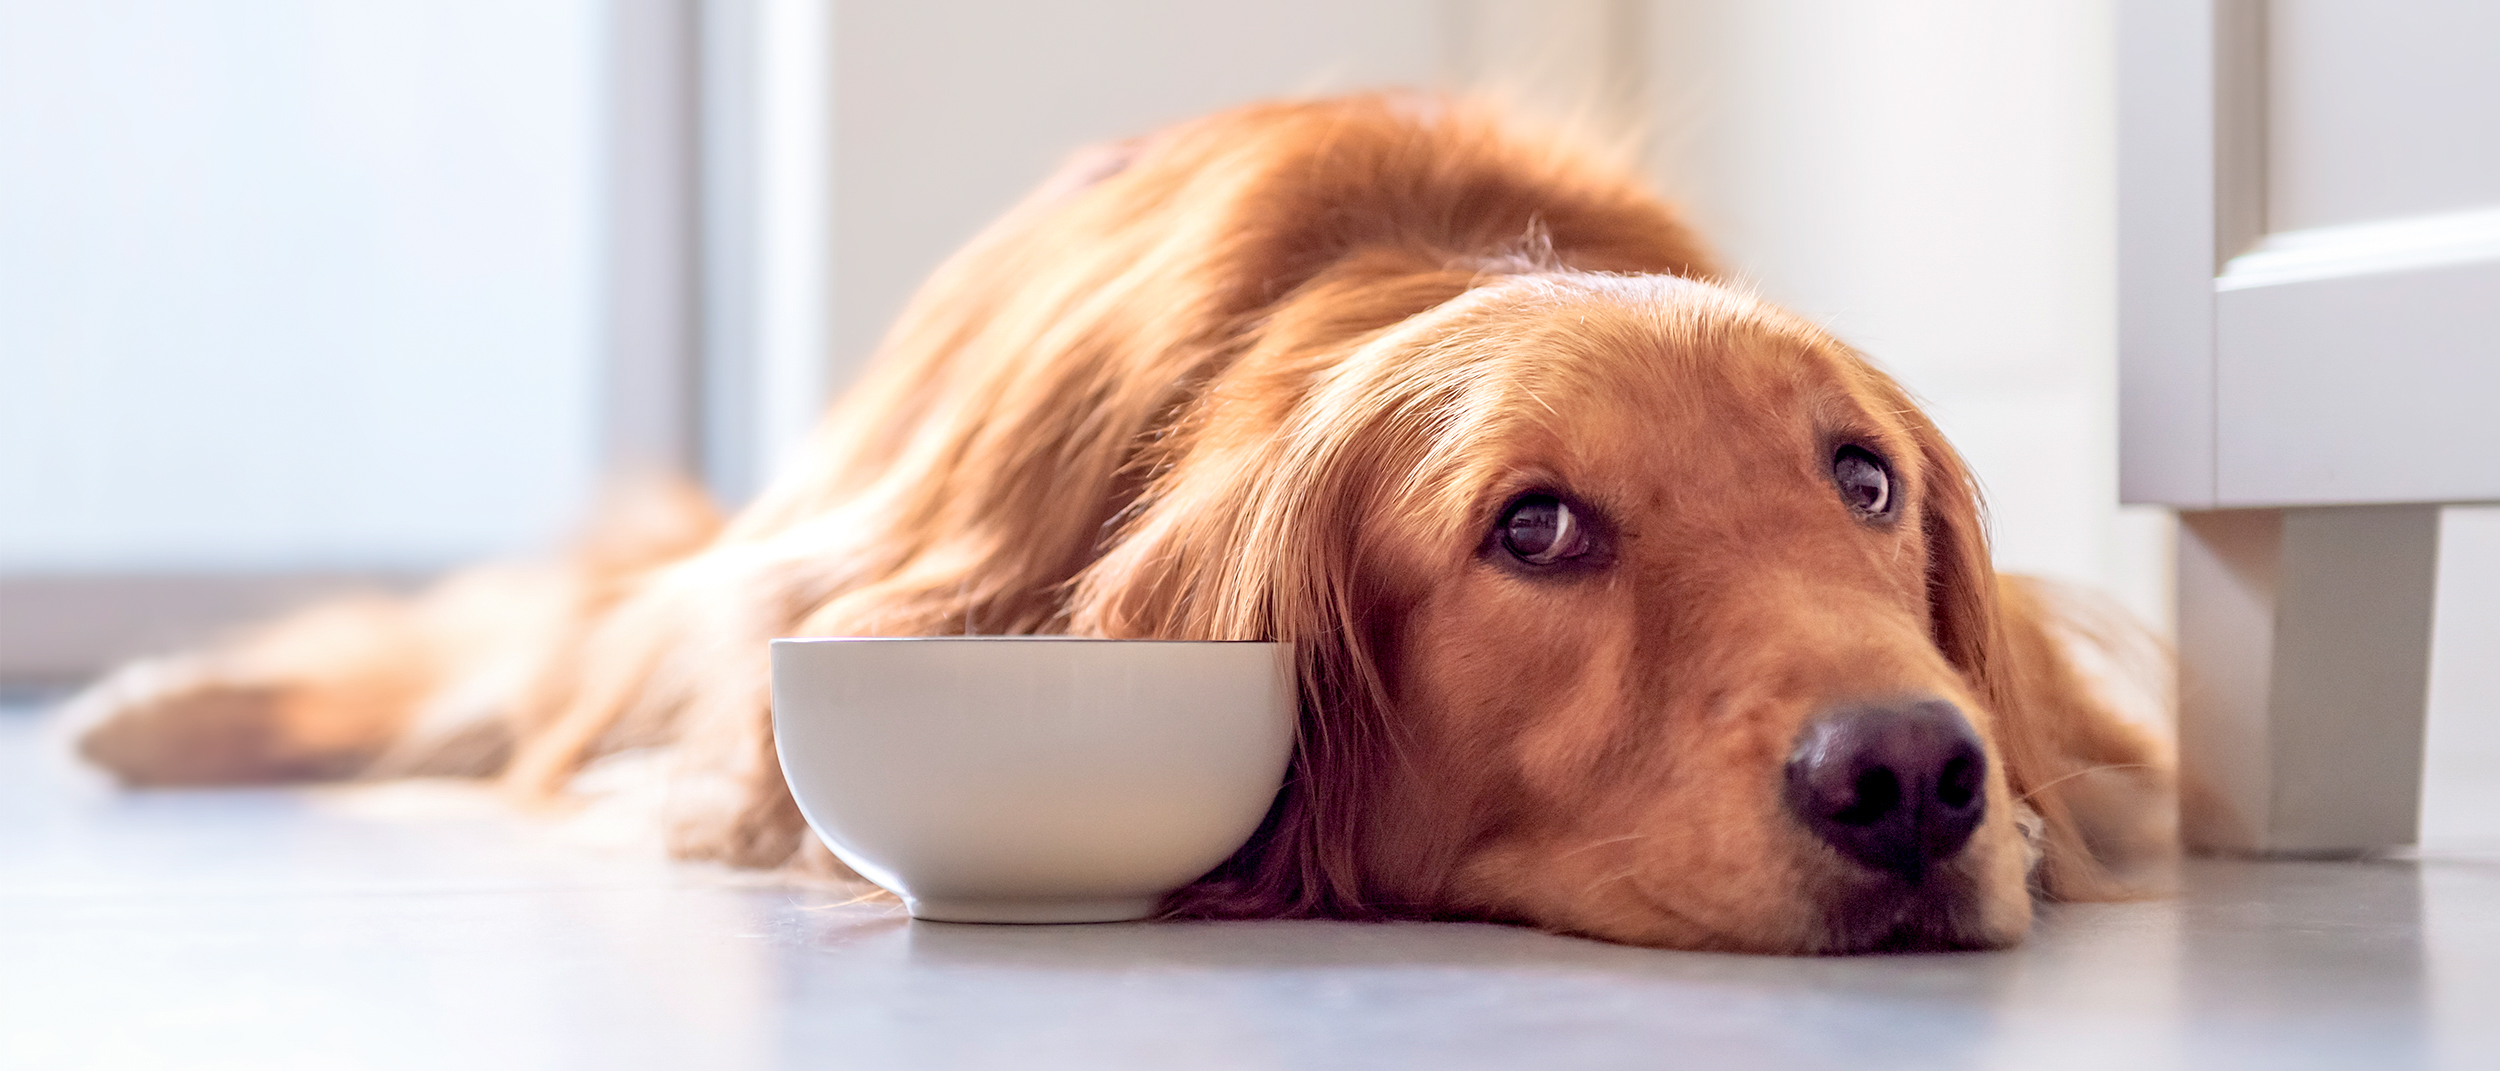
(726, 798)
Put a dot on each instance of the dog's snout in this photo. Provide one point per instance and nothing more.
(1898, 787)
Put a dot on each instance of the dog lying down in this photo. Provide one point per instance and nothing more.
(1625, 604)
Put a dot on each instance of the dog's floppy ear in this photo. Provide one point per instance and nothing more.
(2101, 787)
(1257, 542)
(1253, 527)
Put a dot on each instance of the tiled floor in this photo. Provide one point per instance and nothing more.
(425, 927)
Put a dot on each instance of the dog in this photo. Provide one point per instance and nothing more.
(1624, 603)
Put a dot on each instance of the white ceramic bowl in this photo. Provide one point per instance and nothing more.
(1032, 779)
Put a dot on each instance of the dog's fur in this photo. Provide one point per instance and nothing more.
(1274, 375)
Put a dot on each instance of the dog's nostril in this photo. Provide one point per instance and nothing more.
(1960, 783)
(1878, 792)
(1898, 787)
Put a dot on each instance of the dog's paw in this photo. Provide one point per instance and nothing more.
(179, 722)
(743, 822)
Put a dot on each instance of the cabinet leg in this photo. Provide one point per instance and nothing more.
(2304, 644)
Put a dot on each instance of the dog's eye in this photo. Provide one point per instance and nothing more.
(1542, 530)
(1864, 483)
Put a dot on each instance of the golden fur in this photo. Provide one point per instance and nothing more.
(1273, 375)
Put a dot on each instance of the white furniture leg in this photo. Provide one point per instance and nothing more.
(2304, 643)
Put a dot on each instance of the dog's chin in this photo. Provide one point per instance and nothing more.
(1945, 913)
(1859, 914)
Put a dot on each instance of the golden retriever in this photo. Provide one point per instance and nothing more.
(1625, 604)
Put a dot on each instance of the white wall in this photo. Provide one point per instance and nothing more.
(1933, 180)
(291, 284)
(945, 114)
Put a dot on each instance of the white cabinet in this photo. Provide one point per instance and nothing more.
(2310, 363)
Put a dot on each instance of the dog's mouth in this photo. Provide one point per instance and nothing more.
(1874, 914)
(1888, 914)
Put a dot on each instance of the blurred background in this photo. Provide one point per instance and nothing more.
(300, 294)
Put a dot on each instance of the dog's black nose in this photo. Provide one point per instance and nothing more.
(1897, 786)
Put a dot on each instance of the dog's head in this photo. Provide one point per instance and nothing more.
(1626, 605)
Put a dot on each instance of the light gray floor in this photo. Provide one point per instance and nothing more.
(426, 927)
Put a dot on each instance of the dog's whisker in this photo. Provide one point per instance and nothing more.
(1595, 845)
(1625, 874)
(2056, 781)
(870, 896)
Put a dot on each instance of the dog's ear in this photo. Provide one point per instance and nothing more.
(1257, 540)
(2101, 787)
(1252, 527)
